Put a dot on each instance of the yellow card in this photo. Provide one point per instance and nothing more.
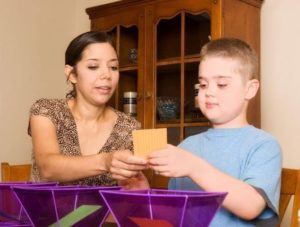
(147, 140)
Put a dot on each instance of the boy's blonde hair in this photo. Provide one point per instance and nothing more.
(235, 49)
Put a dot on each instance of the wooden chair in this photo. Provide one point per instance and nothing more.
(290, 186)
(15, 173)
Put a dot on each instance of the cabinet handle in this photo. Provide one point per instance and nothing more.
(139, 97)
(148, 95)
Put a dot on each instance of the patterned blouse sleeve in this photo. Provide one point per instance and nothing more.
(42, 107)
(134, 124)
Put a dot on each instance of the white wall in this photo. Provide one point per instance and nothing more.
(280, 93)
(34, 35)
(280, 48)
(82, 20)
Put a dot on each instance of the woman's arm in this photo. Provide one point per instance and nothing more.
(54, 166)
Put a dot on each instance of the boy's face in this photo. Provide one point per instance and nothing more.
(224, 92)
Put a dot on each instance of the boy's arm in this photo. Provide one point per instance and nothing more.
(243, 199)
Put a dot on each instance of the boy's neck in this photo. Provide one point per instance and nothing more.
(231, 125)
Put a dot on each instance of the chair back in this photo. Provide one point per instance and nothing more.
(290, 186)
(15, 173)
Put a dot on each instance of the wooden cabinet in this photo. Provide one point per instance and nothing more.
(158, 44)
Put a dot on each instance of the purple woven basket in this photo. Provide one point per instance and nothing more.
(156, 207)
(46, 206)
(11, 212)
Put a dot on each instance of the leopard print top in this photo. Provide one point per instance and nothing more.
(58, 111)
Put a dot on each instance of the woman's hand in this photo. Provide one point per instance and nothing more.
(171, 162)
(135, 183)
(123, 165)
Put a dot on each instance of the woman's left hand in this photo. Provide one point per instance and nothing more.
(124, 165)
(135, 183)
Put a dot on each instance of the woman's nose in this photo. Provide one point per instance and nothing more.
(104, 73)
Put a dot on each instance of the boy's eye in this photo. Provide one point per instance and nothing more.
(222, 85)
(202, 85)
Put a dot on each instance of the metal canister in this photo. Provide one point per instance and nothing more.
(129, 103)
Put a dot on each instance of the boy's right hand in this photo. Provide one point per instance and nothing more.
(172, 162)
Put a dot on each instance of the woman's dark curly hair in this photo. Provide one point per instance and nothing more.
(75, 49)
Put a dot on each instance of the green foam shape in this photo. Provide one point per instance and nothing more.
(77, 215)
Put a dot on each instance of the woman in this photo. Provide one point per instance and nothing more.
(81, 140)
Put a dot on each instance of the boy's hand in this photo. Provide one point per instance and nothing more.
(171, 162)
(124, 165)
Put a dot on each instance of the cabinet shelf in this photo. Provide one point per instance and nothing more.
(168, 61)
(162, 124)
(198, 124)
(177, 60)
(192, 58)
(128, 67)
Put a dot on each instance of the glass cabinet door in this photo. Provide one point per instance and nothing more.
(126, 96)
(178, 43)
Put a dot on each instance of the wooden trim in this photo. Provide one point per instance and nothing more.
(255, 3)
(290, 186)
(107, 9)
(296, 205)
(15, 172)
(5, 171)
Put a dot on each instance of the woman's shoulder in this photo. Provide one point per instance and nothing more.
(127, 121)
(49, 102)
(43, 106)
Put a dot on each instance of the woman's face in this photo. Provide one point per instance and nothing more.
(96, 74)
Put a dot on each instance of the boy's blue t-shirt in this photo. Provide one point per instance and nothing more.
(248, 154)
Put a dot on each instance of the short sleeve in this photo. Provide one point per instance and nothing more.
(134, 125)
(263, 172)
(121, 137)
(42, 107)
(172, 184)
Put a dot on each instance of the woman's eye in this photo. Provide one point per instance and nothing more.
(114, 68)
(93, 67)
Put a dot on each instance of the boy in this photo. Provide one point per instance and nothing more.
(232, 156)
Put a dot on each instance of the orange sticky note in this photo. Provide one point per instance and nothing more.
(147, 140)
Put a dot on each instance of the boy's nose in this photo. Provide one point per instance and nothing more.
(210, 91)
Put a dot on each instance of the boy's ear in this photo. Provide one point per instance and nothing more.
(69, 72)
(252, 88)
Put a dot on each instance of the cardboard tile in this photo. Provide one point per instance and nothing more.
(146, 222)
(147, 140)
